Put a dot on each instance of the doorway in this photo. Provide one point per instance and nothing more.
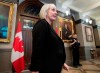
(28, 11)
(27, 28)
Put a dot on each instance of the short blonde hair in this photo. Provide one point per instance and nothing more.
(44, 10)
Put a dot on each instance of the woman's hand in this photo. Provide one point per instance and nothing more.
(35, 72)
(66, 67)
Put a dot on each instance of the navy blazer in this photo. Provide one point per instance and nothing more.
(48, 53)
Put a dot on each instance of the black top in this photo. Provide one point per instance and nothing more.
(76, 44)
(48, 48)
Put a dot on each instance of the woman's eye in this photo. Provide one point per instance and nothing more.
(53, 9)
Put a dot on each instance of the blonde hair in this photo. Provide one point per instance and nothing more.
(44, 10)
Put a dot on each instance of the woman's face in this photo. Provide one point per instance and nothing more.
(52, 13)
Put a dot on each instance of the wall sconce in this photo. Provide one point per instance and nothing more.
(88, 21)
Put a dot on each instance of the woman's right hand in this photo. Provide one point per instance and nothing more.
(35, 72)
(66, 67)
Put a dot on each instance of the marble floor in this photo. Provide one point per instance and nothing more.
(88, 66)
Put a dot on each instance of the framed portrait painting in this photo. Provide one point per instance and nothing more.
(89, 34)
(6, 12)
(66, 28)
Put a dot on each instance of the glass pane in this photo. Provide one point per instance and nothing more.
(32, 10)
(28, 24)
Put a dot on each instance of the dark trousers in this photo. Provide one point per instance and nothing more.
(75, 52)
(52, 67)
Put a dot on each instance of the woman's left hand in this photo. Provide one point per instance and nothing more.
(66, 67)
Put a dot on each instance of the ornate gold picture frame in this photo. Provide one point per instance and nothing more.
(66, 28)
(6, 12)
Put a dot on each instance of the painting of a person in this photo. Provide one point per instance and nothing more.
(66, 30)
(89, 34)
(4, 15)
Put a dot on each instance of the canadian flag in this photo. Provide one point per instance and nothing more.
(17, 56)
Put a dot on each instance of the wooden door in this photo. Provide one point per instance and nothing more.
(27, 27)
(28, 12)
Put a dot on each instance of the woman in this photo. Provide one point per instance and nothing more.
(48, 53)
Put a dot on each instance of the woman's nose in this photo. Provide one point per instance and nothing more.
(56, 13)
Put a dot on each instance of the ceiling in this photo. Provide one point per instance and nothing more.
(89, 8)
